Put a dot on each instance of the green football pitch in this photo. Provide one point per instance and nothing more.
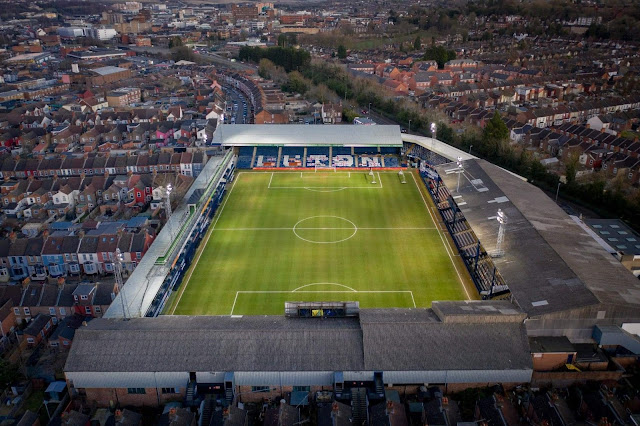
(322, 236)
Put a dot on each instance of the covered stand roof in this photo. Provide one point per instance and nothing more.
(550, 263)
(389, 339)
(307, 135)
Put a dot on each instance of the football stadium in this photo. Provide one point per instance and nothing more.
(349, 259)
(321, 236)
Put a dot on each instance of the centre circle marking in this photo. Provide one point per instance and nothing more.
(355, 229)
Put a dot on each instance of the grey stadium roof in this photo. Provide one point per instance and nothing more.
(307, 135)
(550, 263)
(401, 339)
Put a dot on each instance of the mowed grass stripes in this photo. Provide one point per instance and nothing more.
(326, 236)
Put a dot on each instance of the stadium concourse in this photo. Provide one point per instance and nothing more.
(553, 279)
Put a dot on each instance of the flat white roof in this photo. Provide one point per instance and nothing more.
(108, 70)
(307, 135)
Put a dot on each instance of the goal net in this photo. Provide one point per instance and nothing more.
(320, 168)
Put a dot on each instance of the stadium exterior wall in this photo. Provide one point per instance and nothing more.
(577, 324)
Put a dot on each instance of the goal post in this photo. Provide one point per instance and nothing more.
(321, 168)
(402, 177)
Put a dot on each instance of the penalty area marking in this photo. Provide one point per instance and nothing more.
(297, 291)
(312, 175)
(312, 284)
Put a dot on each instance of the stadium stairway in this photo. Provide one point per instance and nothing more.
(278, 161)
(228, 395)
(379, 385)
(330, 156)
(381, 158)
(304, 157)
(253, 157)
(359, 407)
(206, 409)
(191, 394)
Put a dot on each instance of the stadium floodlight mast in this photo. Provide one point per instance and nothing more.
(433, 130)
(167, 206)
(460, 171)
(502, 220)
(119, 281)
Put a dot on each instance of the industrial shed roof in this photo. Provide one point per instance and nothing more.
(307, 135)
(400, 339)
(550, 264)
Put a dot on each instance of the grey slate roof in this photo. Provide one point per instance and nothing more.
(535, 270)
(400, 339)
(425, 344)
(217, 344)
(37, 325)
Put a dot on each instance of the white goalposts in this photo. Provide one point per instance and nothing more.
(320, 168)
(402, 177)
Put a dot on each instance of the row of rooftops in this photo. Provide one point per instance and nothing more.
(58, 244)
(66, 295)
(96, 164)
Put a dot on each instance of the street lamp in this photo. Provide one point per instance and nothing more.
(168, 203)
(369, 109)
(119, 281)
(409, 131)
(460, 171)
(471, 146)
(558, 191)
(168, 207)
(433, 130)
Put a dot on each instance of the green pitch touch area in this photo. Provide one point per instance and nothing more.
(321, 236)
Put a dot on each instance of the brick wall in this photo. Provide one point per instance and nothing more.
(550, 361)
(245, 394)
(103, 397)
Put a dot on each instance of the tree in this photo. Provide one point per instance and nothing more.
(175, 42)
(8, 373)
(494, 136)
(182, 53)
(297, 83)
(495, 129)
(417, 43)
(439, 54)
(342, 52)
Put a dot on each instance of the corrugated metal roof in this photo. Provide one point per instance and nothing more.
(257, 348)
(307, 135)
(145, 281)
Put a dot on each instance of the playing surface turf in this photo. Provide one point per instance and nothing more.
(320, 236)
